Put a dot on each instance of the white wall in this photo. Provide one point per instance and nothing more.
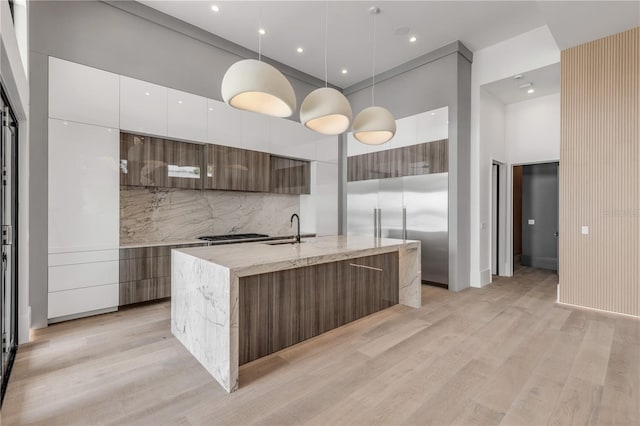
(532, 130)
(525, 52)
(13, 72)
(492, 133)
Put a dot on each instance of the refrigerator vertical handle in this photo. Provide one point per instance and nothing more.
(375, 222)
(404, 223)
(379, 227)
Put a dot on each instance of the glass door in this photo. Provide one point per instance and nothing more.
(8, 216)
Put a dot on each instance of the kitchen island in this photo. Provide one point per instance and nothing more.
(233, 304)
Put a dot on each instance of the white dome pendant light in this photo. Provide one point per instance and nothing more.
(326, 110)
(374, 125)
(253, 85)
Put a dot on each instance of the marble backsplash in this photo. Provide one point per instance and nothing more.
(150, 215)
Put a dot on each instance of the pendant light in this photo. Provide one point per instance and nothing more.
(326, 110)
(374, 125)
(253, 85)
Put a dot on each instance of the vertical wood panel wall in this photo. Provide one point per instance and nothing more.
(600, 174)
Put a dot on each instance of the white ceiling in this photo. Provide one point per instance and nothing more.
(478, 24)
(545, 81)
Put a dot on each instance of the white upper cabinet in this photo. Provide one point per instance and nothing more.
(187, 116)
(143, 107)
(255, 131)
(327, 149)
(432, 125)
(84, 189)
(223, 124)
(292, 139)
(405, 132)
(83, 94)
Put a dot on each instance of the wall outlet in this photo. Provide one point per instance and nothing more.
(531, 221)
(585, 230)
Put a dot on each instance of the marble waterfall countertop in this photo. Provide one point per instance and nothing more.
(205, 288)
(261, 257)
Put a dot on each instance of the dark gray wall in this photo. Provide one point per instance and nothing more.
(540, 203)
(125, 38)
(440, 78)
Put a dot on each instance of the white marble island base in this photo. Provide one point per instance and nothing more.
(205, 288)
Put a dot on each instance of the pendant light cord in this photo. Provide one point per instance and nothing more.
(259, 34)
(373, 68)
(326, 31)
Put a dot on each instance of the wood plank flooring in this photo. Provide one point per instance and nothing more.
(504, 354)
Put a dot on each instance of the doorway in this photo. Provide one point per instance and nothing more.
(495, 218)
(8, 231)
(535, 216)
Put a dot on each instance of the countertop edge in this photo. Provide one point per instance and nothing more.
(312, 259)
(204, 243)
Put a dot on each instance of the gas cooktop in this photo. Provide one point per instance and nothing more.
(231, 237)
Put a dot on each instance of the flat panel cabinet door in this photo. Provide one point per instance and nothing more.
(187, 116)
(83, 94)
(143, 107)
(290, 176)
(223, 124)
(236, 169)
(156, 162)
(84, 195)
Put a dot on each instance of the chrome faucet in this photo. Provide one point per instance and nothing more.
(298, 235)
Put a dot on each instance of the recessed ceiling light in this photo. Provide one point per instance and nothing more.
(261, 31)
(344, 71)
(210, 109)
(433, 113)
(179, 102)
(531, 90)
(147, 93)
(412, 39)
(518, 77)
(299, 50)
(215, 8)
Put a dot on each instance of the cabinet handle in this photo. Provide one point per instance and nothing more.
(366, 267)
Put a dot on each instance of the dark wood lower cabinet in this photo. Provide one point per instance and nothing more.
(280, 309)
(145, 273)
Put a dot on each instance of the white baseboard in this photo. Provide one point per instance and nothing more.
(485, 277)
(24, 326)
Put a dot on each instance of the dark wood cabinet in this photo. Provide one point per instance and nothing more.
(289, 176)
(421, 159)
(145, 273)
(236, 169)
(280, 309)
(157, 162)
(164, 163)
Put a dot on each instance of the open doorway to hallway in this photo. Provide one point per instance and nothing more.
(498, 217)
(535, 216)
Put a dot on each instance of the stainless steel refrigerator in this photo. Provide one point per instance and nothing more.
(409, 207)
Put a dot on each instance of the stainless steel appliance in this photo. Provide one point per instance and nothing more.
(409, 207)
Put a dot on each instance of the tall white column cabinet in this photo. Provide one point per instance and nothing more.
(83, 190)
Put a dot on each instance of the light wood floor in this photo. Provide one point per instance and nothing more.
(505, 354)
